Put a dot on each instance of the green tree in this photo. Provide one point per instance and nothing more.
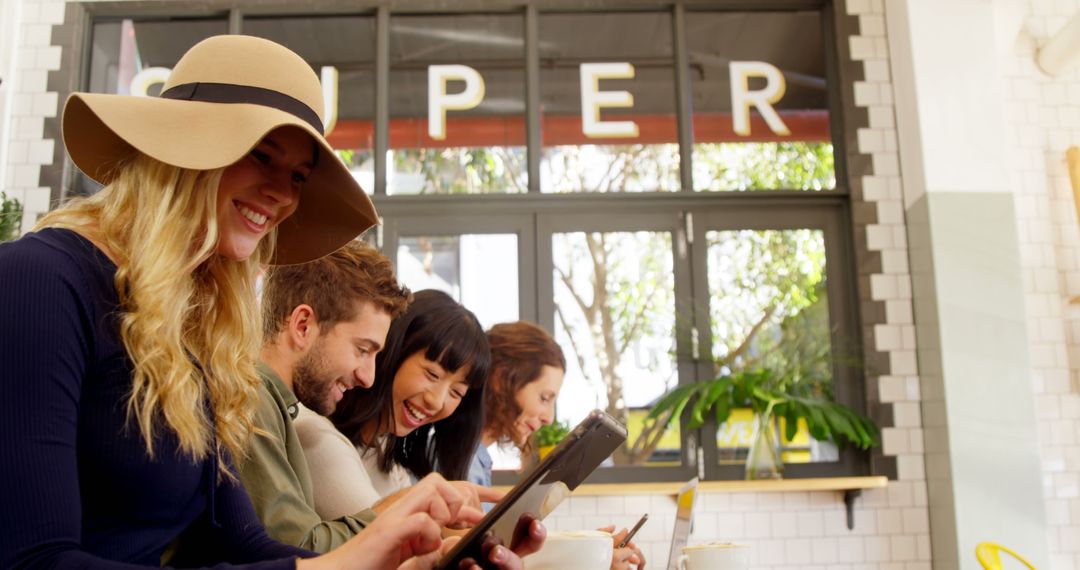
(461, 170)
(764, 166)
(620, 285)
(771, 277)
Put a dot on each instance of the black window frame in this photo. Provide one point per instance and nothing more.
(534, 216)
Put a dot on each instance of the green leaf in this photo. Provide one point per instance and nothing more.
(723, 410)
(816, 422)
(711, 392)
(792, 421)
(671, 400)
(840, 424)
(683, 402)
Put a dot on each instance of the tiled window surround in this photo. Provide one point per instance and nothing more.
(32, 104)
(787, 530)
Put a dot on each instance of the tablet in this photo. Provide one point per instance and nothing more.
(544, 486)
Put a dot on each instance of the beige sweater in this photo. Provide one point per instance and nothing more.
(344, 479)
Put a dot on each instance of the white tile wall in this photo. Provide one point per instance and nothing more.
(1043, 114)
(784, 530)
(28, 151)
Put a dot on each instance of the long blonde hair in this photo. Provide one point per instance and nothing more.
(189, 318)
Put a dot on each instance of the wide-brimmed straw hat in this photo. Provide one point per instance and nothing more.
(221, 99)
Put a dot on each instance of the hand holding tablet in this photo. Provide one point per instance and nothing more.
(543, 488)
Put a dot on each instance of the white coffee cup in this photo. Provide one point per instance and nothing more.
(715, 556)
(573, 550)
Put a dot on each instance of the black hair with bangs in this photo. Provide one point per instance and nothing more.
(449, 334)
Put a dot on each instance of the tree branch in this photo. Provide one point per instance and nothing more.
(638, 322)
(745, 345)
(569, 283)
(573, 343)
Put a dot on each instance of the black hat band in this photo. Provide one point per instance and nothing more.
(232, 93)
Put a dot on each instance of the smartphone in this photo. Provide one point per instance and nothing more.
(544, 486)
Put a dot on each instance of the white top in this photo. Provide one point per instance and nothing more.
(344, 479)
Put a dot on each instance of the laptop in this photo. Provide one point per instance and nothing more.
(684, 521)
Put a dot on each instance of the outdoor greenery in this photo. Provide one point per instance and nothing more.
(10, 217)
(764, 166)
(757, 278)
(615, 302)
(551, 434)
(481, 170)
(786, 394)
(353, 158)
(761, 281)
(619, 304)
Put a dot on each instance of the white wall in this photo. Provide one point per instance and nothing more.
(29, 103)
(784, 530)
(970, 295)
(1042, 116)
(10, 16)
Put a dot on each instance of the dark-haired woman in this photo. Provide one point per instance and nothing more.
(425, 409)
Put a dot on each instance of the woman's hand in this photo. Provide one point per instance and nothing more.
(472, 493)
(477, 494)
(411, 527)
(626, 557)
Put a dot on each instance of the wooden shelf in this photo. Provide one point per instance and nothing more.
(851, 487)
(782, 485)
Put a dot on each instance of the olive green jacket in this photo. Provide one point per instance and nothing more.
(277, 479)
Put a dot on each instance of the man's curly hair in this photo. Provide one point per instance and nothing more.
(333, 286)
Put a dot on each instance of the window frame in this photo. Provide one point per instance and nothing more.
(534, 216)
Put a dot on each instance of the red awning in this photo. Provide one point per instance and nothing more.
(807, 126)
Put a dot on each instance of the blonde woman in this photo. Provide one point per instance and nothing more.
(128, 326)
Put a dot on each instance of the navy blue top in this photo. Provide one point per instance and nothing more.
(77, 488)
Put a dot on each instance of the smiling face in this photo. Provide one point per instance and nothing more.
(261, 189)
(537, 402)
(341, 359)
(424, 393)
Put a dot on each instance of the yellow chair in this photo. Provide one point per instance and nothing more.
(989, 555)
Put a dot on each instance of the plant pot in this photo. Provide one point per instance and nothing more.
(763, 461)
(544, 450)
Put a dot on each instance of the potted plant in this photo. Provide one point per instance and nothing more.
(548, 436)
(770, 394)
(10, 218)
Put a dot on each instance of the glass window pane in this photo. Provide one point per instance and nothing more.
(122, 49)
(794, 151)
(341, 49)
(615, 321)
(769, 308)
(134, 57)
(465, 267)
(643, 154)
(483, 146)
